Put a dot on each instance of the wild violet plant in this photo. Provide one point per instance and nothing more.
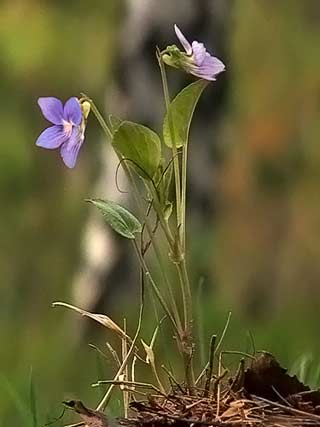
(153, 163)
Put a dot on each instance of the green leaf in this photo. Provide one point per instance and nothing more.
(119, 218)
(182, 109)
(141, 146)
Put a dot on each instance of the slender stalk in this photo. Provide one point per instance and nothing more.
(164, 225)
(200, 321)
(183, 196)
(219, 385)
(185, 339)
(184, 297)
(128, 173)
(174, 242)
(99, 117)
(159, 325)
(136, 194)
(104, 401)
(156, 248)
(225, 328)
(179, 244)
(210, 368)
(154, 286)
(171, 296)
(125, 394)
(129, 383)
(172, 378)
(177, 250)
(176, 165)
(183, 266)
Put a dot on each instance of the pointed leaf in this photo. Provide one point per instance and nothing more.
(182, 109)
(119, 218)
(140, 146)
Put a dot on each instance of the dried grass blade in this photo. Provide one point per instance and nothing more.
(103, 319)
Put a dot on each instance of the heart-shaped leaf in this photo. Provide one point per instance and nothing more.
(182, 109)
(139, 146)
(119, 218)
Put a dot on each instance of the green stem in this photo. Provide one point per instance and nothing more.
(155, 245)
(136, 193)
(171, 295)
(184, 297)
(183, 266)
(179, 244)
(175, 246)
(158, 208)
(99, 117)
(168, 234)
(180, 264)
(187, 342)
(176, 165)
(183, 197)
(175, 317)
(154, 287)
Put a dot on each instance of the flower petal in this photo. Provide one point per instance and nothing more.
(183, 40)
(214, 63)
(52, 137)
(198, 52)
(70, 149)
(72, 112)
(209, 69)
(52, 109)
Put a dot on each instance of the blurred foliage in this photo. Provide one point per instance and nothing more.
(265, 247)
(269, 249)
(47, 48)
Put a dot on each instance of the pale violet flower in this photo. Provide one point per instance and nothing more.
(67, 132)
(195, 60)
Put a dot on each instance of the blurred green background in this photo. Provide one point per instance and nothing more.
(263, 252)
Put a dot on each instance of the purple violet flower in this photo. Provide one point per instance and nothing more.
(196, 60)
(67, 132)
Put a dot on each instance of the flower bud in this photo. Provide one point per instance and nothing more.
(85, 107)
